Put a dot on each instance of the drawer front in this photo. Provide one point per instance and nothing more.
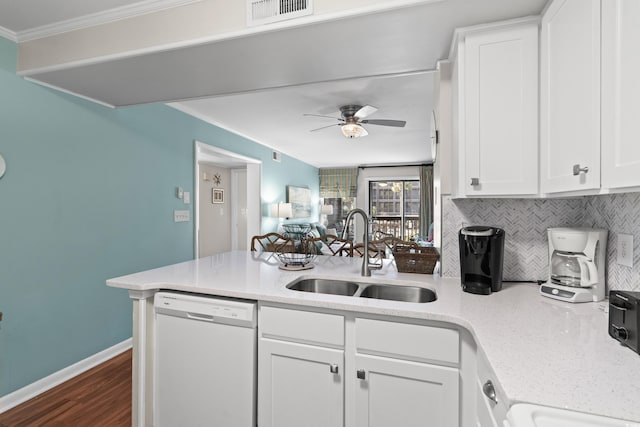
(499, 409)
(301, 326)
(408, 341)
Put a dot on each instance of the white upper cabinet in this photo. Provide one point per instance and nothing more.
(570, 96)
(620, 93)
(496, 110)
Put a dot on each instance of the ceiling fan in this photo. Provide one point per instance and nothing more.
(353, 116)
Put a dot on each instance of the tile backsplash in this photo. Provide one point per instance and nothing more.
(620, 214)
(525, 222)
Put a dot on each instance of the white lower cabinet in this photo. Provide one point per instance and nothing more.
(355, 372)
(305, 385)
(485, 417)
(393, 392)
(491, 404)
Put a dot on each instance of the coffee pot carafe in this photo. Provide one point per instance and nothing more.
(576, 264)
(569, 269)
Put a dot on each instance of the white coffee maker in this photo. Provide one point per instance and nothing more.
(576, 264)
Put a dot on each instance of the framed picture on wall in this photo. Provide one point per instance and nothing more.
(217, 195)
(300, 199)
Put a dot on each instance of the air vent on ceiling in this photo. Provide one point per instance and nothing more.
(267, 11)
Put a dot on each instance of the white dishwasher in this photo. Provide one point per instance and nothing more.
(204, 361)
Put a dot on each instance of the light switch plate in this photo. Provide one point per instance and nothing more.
(3, 166)
(186, 197)
(625, 250)
(181, 216)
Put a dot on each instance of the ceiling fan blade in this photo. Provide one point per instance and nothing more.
(365, 111)
(383, 122)
(324, 127)
(364, 132)
(319, 115)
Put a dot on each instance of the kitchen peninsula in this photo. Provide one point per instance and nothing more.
(538, 350)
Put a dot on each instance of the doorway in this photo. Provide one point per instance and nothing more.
(227, 200)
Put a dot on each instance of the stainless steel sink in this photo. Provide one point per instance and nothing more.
(364, 290)
(325, 286)
(399, 293)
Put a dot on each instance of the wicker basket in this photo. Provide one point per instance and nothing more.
(411, 258)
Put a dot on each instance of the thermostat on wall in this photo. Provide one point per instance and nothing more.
(3, 166)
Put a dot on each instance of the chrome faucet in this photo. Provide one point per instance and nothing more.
(366, 267)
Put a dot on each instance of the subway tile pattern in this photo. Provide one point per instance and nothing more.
(525, 222)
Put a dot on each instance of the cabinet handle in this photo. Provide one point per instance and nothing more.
(611, 305)
(490, 391)
(361, 374)
(333, 368)
(577, 169)
(475, 181)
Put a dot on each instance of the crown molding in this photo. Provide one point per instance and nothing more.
(99, 18)
(59, 89)
(460, 33)
(8, 34)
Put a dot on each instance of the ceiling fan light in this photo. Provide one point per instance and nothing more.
(353, 130)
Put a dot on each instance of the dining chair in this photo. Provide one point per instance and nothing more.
(273, 242)
(330, 245)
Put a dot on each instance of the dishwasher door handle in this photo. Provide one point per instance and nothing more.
(198, 316)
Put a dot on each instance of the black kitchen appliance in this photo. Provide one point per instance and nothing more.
(624, 318)
(481, 258)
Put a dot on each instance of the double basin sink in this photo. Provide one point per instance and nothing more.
(364, 290)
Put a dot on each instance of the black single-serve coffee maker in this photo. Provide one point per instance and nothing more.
(481, 258)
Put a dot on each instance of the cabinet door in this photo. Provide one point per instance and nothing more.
(501, 111)
(485, 417)
(403, 393)
(570, 96)
(296, 385)
(620, 93)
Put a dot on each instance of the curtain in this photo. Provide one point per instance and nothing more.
(338, 183)
(426, 200)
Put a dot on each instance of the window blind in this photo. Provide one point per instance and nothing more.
(338, 183)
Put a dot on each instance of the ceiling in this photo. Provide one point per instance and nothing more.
(275, 118)
(259, 85)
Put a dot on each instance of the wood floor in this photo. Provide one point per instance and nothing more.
(96, 398)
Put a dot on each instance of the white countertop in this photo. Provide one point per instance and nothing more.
(542, 351)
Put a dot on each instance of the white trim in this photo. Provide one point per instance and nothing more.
(8, 34)
(140, 389)
(68, 92)
(254, 178)
(203, 147)
(460, 33)
(99, 18)
(201, 116)
(234, 207)
(227, 36)
(34, 389)
(196, 205)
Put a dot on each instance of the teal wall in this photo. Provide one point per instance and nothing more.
(88, 195)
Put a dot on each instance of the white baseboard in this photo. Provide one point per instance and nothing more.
(32, 390)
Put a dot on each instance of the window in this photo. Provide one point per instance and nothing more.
(338, 188)
(395, 207)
